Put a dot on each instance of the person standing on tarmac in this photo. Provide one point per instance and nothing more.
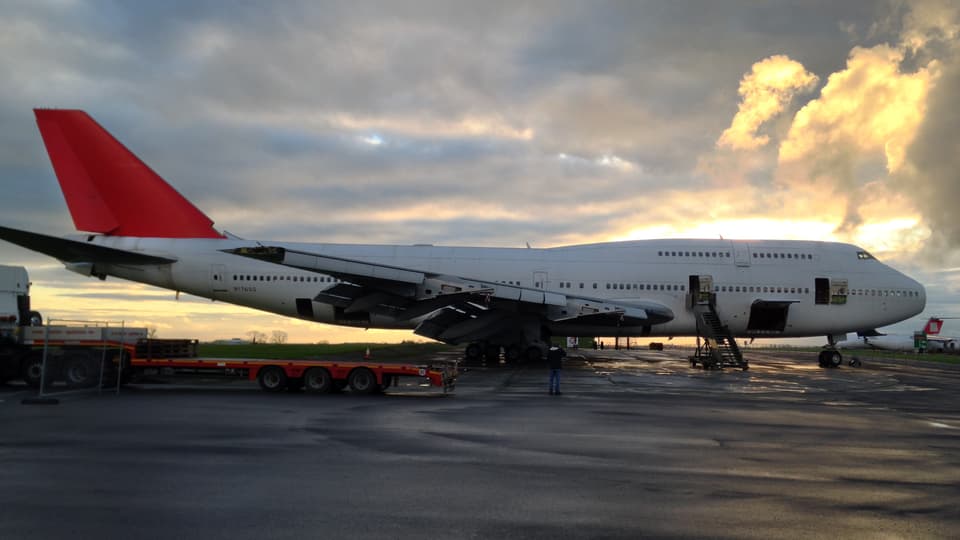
(555, 360)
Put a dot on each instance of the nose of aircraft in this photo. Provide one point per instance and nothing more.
(917, 303)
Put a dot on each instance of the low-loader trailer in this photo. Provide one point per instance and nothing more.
(87, 356)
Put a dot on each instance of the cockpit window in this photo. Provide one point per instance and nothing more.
(863, 255)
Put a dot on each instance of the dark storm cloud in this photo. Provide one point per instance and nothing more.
(934, 185)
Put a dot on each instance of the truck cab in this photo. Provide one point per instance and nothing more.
(14, 300)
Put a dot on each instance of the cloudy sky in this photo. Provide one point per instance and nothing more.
(489, 123)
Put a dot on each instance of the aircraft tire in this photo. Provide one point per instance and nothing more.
(317, 380)
(363, 381)
(272, 378)
(834, 359)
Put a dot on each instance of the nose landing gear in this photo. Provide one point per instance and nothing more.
(830, 358)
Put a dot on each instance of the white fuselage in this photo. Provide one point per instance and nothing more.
(864, 293)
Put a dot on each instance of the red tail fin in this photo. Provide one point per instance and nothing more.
(933, 327)
(108, 189)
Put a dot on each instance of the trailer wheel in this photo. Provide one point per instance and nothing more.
(362, 381)
(32, 370)
(79, 371)
(272, 378)
(318, 380)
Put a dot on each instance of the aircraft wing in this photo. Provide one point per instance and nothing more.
(456, 308)
(75, 251)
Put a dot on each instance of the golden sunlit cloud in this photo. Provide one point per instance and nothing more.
(871, 106)
(931, 19)
(764, 93)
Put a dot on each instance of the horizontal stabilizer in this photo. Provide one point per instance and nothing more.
(74, 251)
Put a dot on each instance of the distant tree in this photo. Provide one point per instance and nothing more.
(257, 336)
(279, 337)
(152, 332)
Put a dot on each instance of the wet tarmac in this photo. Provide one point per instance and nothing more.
(638, 445)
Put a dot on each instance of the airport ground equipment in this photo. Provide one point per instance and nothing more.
(718, 348)
(87, 356)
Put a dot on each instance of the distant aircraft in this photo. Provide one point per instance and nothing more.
(140, 228)
(902, 342)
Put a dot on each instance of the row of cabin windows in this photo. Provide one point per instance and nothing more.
(301, 279)
(806, 290)
(628, 286)
(758, 288)
(726, 254)
(881, 292)
(713, 254)
(764, 255)
(644, 287)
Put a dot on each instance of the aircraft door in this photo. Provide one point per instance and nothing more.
(701, 289)
(218, 279)
(830, 291)
(540, 280)
(741, 253)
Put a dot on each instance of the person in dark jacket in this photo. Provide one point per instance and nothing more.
(555, 360)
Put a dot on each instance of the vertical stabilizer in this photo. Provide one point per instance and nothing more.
(108, 189)
(933, 327)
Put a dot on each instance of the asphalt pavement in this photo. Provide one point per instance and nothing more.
(638, 445)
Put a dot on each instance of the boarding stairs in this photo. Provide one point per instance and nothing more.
(719, 348)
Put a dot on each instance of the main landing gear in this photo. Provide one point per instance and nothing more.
(489, 353)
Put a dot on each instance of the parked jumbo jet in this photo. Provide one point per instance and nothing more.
(141, 229)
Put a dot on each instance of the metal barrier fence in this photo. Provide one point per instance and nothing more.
(75, 352)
